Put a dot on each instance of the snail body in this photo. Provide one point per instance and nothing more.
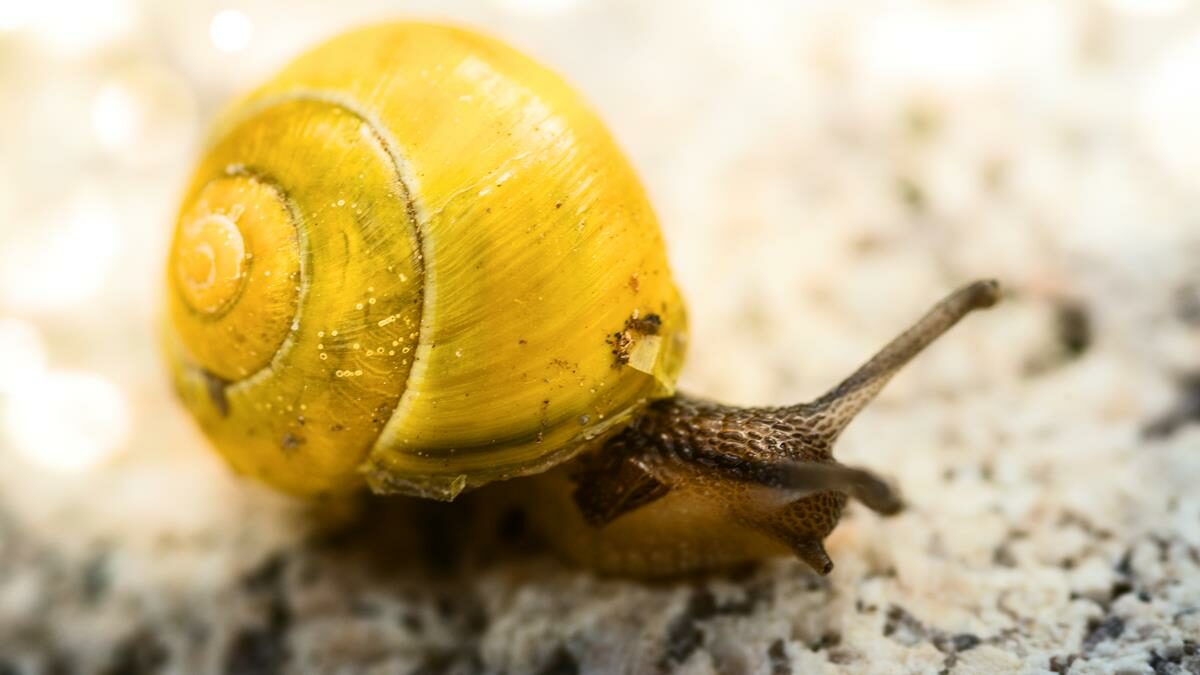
(416, 261)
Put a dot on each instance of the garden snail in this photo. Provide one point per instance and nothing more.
(416, 260)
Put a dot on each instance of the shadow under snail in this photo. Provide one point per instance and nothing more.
(415, 260)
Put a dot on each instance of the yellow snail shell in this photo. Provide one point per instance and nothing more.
(408, 259)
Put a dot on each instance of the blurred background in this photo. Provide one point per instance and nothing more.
(822, 171)
(1059, 132)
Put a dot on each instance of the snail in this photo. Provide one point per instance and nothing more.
(416, 261)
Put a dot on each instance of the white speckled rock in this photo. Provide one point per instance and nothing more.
(823, 173)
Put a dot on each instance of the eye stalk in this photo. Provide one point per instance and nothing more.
(834, 411)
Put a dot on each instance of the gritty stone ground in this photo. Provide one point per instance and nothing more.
(822, 175)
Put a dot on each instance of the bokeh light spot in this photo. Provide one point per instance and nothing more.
(67, 420)
(1170, 109)
(70, 27)
(114, 116)
(1148, 7)
(22, 355)
(230, 30)
(62, 263)
(536, 7)
(144, 114)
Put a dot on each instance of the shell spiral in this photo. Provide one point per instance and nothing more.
(415, 259)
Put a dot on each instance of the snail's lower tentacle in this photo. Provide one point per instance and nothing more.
(812, 552)
(806, 478)
(789, 479)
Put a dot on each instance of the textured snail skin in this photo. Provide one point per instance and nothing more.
(404, 259)
(415, 261)
(694, 485)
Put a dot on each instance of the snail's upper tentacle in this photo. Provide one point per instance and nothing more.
(832, 412)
